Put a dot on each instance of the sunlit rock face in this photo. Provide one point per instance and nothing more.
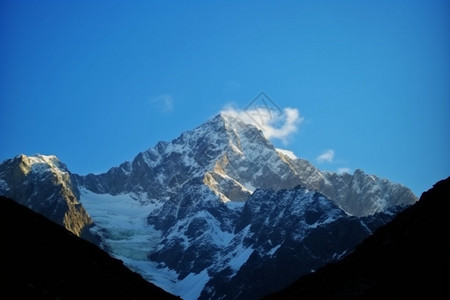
(44, 184)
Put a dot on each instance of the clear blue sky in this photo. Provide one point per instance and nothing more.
(96, 82)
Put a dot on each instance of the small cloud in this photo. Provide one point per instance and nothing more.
(278, 124)
(344, 170)
(326, 156)
(164, 102)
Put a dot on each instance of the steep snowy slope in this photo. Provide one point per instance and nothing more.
(195, 192)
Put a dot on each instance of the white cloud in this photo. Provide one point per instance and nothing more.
(273, 123)
(344, 170)
(326, 156)
(164, 102)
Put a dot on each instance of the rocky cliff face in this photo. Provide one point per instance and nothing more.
(216, 213)
(358, 194)
(44, 184)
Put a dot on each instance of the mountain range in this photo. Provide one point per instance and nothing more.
(217, 213)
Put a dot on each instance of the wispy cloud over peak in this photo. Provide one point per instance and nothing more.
(163, 101)
(275, 124)
(326, 156)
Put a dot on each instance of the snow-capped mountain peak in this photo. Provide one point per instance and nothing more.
(40, 164)
(210, 207)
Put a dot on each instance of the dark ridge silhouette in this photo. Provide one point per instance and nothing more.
(408, 257)
(42, 260)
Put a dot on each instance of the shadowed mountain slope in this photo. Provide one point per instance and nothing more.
(408, 257)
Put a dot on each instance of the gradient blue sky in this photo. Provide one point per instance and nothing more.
(96, 82)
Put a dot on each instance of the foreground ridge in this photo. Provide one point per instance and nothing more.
(41, 259)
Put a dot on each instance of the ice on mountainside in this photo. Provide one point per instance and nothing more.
(128, 234)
